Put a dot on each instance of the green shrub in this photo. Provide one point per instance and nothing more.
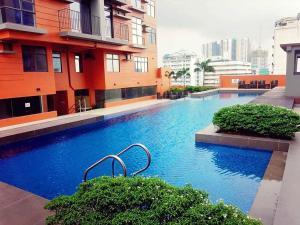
(176, 90)
(258, 120)
(198, 88)
(141, 201)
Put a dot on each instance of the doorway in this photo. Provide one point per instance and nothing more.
(61, 103)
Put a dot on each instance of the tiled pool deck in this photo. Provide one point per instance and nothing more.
(18, 207)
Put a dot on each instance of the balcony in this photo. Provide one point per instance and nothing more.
(119, 2)
(83, 26)
(138, 42)
(138, 8)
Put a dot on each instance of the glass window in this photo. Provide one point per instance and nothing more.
(152, 36)
(136, 3)
(112, 63)
(297, 62)
(18, 11)
(34, 59)
(137, 31)
(78, 63)
(151, 8)
(141, 64)
(57, 66)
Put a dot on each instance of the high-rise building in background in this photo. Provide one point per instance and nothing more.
(287, 30)
(183, 59)
(228, 49)
(259, 62)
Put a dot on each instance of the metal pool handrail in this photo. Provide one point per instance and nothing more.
(114, 157)
(146, 150)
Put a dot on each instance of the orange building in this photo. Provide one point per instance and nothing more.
(64, 56)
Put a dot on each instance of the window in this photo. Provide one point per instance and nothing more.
(137, 31)
(112, 63)
(136, 3)
(8, 46)
(141, 64)
(18, 11)
(297, 62)
(15, 107)
(56, 57)
(152, 36)
(78, 63)
(34, 59)
(151, 8)
(123, 94)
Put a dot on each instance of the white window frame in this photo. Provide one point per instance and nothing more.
(137, 31)
(141, 64)
(112, 63)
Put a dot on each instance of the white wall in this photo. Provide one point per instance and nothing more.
(284, 35)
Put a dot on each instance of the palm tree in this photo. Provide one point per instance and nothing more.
(204, 67)
(184, 72)
(170, 75)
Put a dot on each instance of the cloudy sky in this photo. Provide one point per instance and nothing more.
(186, 24)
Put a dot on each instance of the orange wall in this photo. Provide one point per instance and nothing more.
(226, 80)
(14, 82)
(164, 82)
(26, 119)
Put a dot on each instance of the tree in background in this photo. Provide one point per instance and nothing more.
(204, 67)
(185, 73)
(170, 75)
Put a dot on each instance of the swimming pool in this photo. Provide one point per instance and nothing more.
(52, 165)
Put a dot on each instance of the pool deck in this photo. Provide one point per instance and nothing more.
(275, 97)
(18, 207)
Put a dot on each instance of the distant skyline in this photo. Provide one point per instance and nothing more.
(189, 24)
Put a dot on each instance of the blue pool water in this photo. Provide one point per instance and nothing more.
(53, 165)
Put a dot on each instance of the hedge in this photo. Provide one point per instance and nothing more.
(258, 120)
(141, 201)
(198, 88)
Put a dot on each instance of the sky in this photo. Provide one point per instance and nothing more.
(187, 24)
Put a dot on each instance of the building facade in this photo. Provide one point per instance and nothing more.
(259, 62)
(293, 70)
(60, 56)
(225, 67)
(229, 49)
(287, 30)
(183, 59)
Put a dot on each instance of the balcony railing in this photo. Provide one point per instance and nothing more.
(116, 30)
(74, 21)
(70, 20)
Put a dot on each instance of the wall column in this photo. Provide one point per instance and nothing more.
(97, 9)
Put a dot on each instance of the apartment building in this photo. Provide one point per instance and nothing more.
(286, 31)
(183, 59)
(63, 56)
(225, 67)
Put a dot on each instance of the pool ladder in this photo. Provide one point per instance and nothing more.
(121, 162)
